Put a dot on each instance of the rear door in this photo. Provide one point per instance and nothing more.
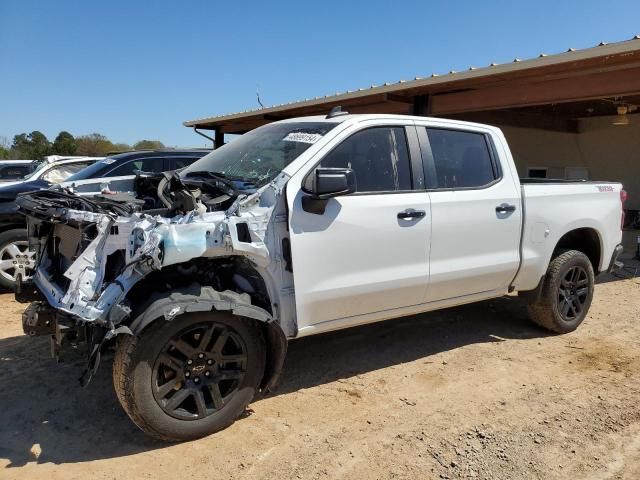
(368, 251)
(476, 214)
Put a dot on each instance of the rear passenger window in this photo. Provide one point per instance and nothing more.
(378, 156)
(461, 159)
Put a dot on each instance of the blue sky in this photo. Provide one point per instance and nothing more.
(138, 69)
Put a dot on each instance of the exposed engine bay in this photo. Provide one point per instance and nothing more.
(94, 253)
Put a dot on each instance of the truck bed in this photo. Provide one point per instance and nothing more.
(554, 207)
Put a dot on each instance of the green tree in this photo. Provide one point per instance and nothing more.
(148, 145)
(20, 146)
(4, 148)
(32, 146)
(121, 147)
(93, 145)
(64, 144)
(40, 146)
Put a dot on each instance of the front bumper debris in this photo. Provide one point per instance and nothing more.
(39, 319)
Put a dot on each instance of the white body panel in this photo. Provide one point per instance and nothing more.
(474, 249)
(359, 257)
(552, 210)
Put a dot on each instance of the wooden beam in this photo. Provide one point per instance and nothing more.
(243, 126)
(421, 105)
(597, 85)
(392, 97)
(273, 117)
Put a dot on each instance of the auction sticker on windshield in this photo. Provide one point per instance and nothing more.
(302, 137)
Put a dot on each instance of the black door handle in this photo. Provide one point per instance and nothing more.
(411, 214)
(505, 207)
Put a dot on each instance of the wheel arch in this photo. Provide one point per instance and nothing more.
(586, 240)
(165, 306)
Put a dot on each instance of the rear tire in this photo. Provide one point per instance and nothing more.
(191, 376)
(567, 292)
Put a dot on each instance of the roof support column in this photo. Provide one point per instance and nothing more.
(219, 138)
(421, 105)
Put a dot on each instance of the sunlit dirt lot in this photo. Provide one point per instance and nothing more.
(470, 392)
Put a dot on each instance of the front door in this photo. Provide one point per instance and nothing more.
(368, 252)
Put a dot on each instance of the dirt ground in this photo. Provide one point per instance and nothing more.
(470, 392)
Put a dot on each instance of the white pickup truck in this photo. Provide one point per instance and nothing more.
(301, 227)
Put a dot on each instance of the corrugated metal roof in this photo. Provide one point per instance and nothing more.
(600, 50)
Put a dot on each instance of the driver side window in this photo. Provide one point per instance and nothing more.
(378, 156)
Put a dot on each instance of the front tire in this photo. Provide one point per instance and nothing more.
(191, 376)
(567, 292)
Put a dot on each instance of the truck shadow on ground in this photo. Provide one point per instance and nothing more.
(46, 417)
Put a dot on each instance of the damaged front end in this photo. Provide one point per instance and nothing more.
(100, 260)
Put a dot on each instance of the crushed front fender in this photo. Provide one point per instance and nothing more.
(148, 243)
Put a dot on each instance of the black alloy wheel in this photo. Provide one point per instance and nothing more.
(565, 294)
(190, 376)
(572, 293)
(199, 370)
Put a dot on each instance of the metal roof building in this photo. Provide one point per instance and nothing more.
(606, 70)
(571, 115)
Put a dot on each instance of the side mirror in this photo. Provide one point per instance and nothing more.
(325, 183)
